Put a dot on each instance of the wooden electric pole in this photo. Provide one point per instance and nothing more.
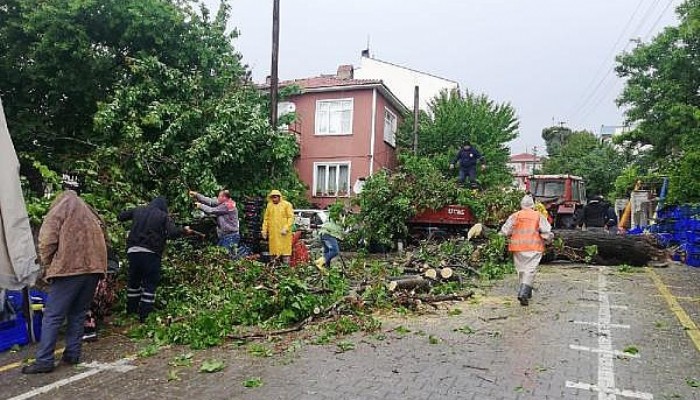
(416, 114)
(274, 77)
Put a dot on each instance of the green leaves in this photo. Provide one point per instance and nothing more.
(253, 382)
(211, 366)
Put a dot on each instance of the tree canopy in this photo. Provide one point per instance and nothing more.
(454, 118)
(662, 100)
(144, 97)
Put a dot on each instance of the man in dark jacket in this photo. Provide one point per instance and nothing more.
(468, 157)
(224, 209)
(145, 244)
(598, 214)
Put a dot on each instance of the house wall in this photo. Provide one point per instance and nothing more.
(354, 148)
(402, 81)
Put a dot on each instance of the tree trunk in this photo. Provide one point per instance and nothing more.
(636, 250)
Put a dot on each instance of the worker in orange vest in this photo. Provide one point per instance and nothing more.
(528, 230)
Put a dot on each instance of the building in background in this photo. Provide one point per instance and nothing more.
(523, 165)
(346, 128)
(402, 80)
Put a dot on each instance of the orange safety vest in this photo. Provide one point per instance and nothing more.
(526, 232)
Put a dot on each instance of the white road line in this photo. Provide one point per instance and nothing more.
(607, 326)
(612, 306)
(610, 392)
(94, 368)
(606, 372)
(616, 353)
(598, 292)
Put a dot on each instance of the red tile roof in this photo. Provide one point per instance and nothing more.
(328, 81)
(524, 157)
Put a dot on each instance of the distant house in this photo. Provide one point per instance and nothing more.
(403, 80)
(523, 165)
(346, 128)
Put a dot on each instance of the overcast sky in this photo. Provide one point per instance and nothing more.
(551, 59)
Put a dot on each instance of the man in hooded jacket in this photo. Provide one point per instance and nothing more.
(150, 229)
(527, 230)
(72, 248)
(277, 225)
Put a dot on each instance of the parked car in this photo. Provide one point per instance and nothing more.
(310, 219)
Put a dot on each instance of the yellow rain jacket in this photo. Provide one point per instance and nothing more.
(277, 225)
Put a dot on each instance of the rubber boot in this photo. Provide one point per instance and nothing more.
(132, 305)
(523, 294)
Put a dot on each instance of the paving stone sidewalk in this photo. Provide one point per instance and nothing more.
(493, 349)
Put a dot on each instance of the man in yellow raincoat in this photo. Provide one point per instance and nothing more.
(277, 225)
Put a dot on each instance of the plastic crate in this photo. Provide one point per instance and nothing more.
(693, 259)
(13, 333)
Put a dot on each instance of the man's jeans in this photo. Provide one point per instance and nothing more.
(465, 172)
(330, 248)
(230, 242)
(69, 298)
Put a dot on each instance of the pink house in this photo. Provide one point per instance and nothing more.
(346, 129)
(522, 166)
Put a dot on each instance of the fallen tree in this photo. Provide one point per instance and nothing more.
(605, 249)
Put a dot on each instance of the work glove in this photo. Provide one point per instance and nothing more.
(196, 205)
(284, 231)
(483, 167)
(191, 193)
(188, 230)
(452, 166)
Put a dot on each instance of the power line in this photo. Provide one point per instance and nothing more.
(653, 27)
(612, 52)
(592, 94)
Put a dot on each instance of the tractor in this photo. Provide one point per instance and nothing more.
(563, 195)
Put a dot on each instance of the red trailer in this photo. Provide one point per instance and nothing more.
(449, 220)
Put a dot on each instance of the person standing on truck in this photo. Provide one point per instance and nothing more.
(467, 158)
(224, 209)
(527, 230)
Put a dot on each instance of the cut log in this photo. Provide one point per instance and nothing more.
(431, 273)
(446, 273)
(635, 250)
(408, 283)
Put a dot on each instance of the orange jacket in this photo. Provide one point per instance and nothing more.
(526, 232)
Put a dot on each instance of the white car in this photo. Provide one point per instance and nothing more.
(310, 219)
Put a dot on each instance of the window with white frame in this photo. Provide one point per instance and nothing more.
(332, 179)
(389, 127)
(334, 117)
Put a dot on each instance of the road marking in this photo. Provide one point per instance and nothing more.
(604, 325)
(673, 304)
(597, 292)
(20, 363)
(606, 373)
(609, 393)
(612, 306)
(616, 353)
(94, 368)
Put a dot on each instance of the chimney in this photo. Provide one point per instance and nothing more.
(345, 72)
(365, 53)
(268, 80)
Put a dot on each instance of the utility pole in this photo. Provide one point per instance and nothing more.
(274, 77)
(416, 115)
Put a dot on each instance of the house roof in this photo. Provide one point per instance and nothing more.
(522, 157)
(412, 70)
(329, 81)
(333, 83)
